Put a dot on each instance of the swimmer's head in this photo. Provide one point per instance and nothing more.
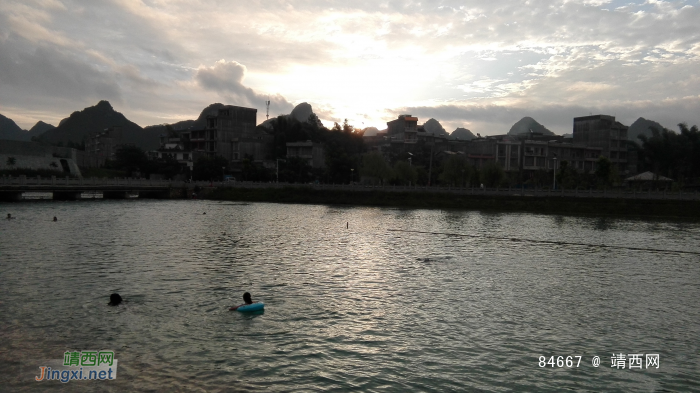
(246, 298)
(55, 219)
(114, 299)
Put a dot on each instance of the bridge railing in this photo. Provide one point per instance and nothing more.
(94, 181)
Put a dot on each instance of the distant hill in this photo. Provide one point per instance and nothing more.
(526, 124)
(462, 134)
(199, 123)
(78, 125)
(39, 128)
(10, 130)
(642, 126)
(434, 127)
(370, 131)
(301, 112)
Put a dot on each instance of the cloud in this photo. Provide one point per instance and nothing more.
(350, 58)
(226, 78)
(44, 73)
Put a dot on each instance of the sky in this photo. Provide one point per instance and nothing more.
(481, 64)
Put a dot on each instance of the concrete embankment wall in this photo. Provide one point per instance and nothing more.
(32, 155)
(427, 199)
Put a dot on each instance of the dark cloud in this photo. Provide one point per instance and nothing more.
(226, 78)
(31, 74)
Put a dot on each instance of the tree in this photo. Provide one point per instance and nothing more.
(603, 171)
(347, 127)
(343, 153)
(343, 146)
(130, 159)
(492, 175)
(567, 176)
(374, 166)
(671, 154)
(209, 169)
(296, 170)
(253, 172)
(404, 173)
(456, 171)
(167, 166)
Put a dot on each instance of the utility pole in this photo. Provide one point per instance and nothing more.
(554, 186)
(430, 167)
(267, 104)
(278, 168)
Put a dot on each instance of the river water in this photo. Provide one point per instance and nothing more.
(356, 298)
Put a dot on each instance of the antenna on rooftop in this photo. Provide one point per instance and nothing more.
(267, 104)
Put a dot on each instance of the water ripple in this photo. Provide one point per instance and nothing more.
(363, 308)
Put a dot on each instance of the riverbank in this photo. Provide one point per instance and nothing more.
(445, 200)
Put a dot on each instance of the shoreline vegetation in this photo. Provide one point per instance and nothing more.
(429, 199)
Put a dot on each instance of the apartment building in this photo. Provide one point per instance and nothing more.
(101, 146)
(312, 153)
(231, 134)
(175, 147)
(602, 131)
(403, 130)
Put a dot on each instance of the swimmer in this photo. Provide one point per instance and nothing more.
(55, 219)
(246, 299)
(9, 216)
(114, 299)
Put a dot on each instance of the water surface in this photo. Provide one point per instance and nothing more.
(371, 306)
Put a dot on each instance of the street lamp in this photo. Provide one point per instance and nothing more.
(410, 163)
(554, 183)
(223, 173)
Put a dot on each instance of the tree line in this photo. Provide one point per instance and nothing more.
(672, 154)
(666, 153)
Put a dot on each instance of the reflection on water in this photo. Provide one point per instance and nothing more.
(357, 308)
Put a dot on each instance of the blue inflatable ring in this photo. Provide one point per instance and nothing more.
(252, 307)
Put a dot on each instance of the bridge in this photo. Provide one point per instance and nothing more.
(12, 188)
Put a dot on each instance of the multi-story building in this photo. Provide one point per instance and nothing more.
(481, 151)
(313, 153)
(604, 132)
(403, 129)
(174, 147)
(593, 137)
(101, 146)
(509, 153)
(232, 134)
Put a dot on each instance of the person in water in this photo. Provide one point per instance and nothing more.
(114, 299)
(9, 216)
(55, 219)
(246, 299)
